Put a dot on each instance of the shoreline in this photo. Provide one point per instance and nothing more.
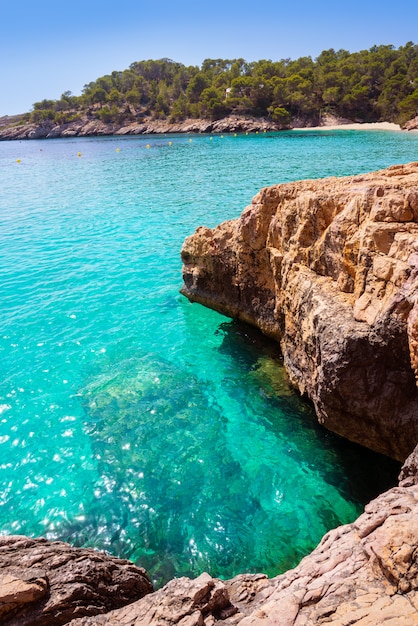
(87, 127)
(356, 126)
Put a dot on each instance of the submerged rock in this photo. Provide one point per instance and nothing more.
(361, 573)
(329, 268)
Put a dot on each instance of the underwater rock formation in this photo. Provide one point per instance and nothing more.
(361, 573)
(365, 572)
(329, 268)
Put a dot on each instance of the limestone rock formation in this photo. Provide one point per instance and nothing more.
(329, 268)
(182, 601)
(43, 582)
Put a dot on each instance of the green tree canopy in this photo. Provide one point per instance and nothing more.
(370, 85)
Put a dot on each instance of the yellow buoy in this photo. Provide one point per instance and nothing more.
(264, 131)
(211, 138)
(170, 143)
(256, 132)
(117, 149)
(18, 161)
(222, 136)
(246, 132)
(79, 154)
(190, 140)
(148, 146)
(235, 134)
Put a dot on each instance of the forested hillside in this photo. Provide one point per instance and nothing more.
(367, 86)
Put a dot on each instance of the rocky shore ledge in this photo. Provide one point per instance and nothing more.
(364, 574)
(15, 128)
(87, 126)
(328, 268)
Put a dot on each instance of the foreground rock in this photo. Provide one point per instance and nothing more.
(43, 582)
(364, 573)
(329, 268)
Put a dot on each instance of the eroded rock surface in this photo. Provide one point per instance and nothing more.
(330, 269)
(411, 124)
(43, 582)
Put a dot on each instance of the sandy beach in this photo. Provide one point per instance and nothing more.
(372, 126)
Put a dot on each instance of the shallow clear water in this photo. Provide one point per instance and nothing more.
(130, 419)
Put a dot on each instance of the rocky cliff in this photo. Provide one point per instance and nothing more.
(364, 574)
(329, 268)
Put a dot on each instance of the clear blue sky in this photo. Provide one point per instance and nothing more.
(48, 47)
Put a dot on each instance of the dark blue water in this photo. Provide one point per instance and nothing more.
(130, 419)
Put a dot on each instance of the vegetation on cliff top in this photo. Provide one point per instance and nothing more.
(367, 86)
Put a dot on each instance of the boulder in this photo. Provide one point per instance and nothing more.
(44, 582)
(329, 268)
(411, 124)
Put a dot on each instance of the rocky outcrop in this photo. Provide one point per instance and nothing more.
(364, 573)
(329, 268)
(87, 126)
(411, 124)
(43, 582)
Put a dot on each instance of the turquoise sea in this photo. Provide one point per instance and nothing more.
(130, 419)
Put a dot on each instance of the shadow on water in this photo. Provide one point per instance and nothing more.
(364, 474)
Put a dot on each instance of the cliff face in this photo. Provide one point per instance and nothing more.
(330, 269)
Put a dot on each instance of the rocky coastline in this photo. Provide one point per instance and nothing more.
(88, 126)
(16, 128)
(328, 268)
